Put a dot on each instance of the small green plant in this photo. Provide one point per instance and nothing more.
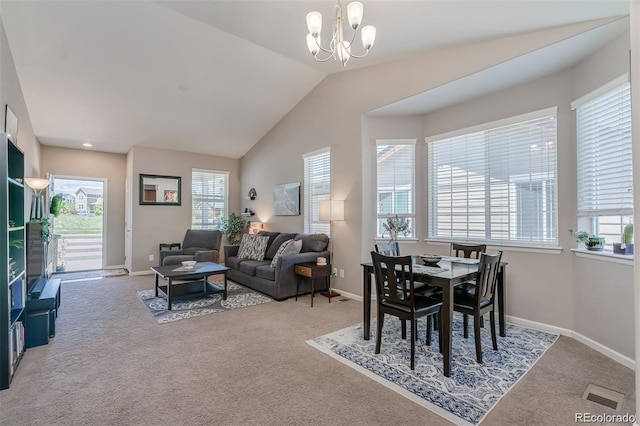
(590, 241)
(58, 205)
(233, 227)
(627, 236)
(396, 226)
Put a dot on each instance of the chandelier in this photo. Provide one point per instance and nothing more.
(339, 48)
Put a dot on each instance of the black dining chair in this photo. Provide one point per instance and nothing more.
(396, 295)
(468, 250)
(478, 299)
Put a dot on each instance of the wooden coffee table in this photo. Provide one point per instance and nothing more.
(189, 278)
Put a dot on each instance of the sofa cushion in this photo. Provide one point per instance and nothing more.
(275, 245)
(253, 247)
(233, 262)
(313, 242)
(249, 266)
(272, 236)
(288, 247)
(266, 272)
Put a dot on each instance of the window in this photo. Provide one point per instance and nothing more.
(209, 198)
(495, 182)
(605, 173)
(395, 162)
(317, 187)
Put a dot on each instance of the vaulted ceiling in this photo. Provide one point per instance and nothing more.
(213, 77)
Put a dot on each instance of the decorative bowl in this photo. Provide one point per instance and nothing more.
(189, 263)
(430, 259)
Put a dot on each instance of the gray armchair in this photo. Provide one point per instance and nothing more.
(201, 245)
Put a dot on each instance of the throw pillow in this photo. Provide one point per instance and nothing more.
(288, 247)
(253, 247)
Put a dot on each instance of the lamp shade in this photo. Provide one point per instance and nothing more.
(331, 210)
(37, 184)
(354, 13)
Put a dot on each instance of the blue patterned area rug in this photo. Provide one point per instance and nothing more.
(473, 389)
(195, 306)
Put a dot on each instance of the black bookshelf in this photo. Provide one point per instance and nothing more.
(13, 285)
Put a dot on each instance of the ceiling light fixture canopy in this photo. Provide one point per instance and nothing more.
(339, 48)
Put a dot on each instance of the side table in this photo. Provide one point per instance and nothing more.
(312, 271)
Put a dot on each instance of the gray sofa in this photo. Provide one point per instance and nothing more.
(279, 282)
(201, 245)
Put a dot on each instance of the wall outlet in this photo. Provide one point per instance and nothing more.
(334, 272)
(150, 258)
(341, 273)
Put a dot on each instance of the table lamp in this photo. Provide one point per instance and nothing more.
(37, 199)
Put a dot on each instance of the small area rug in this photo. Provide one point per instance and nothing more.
(473, 389)
(195, 306)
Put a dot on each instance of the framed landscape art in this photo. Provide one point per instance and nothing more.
(286, 199)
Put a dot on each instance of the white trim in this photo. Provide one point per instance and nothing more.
(400, 240)
(493, 124)
(608, 352)
(624, 78)
(196, 169)
(605, 256)
(348, 295)
(141, 273)
(504, 246)
(396, 141)
(317, 152)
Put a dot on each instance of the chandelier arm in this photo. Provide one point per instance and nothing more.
(323, 49)
(359, 56)
(325, 59)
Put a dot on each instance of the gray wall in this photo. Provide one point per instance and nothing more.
(153, 224)
(84, 163)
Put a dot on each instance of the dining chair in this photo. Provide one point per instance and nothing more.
(467, 250)
(396, 295)
(478, 299)
(393, 249)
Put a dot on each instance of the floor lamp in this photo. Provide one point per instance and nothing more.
(331, 210)
(37, 199)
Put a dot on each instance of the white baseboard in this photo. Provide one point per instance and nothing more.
(608, 352)
(141, 273)
(348, 295)
(114, 267)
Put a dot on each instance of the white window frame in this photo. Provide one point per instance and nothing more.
(196, 199)
(392, 187)
(488, 207)
(604, 164)
(317, 187)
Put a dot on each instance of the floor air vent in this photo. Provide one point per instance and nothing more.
(603, 396)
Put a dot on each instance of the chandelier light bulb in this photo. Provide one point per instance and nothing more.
(314, 23)
(354, 12)
(368, 36)
(312, 44)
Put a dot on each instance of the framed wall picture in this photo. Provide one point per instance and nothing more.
(160, 190)
(10, 124)
(286, 199)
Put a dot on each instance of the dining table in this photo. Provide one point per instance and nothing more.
(446, 274)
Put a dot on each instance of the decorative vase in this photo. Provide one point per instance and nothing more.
(595, 243)
(393, 235)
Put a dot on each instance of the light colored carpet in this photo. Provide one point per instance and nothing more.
(110, 365)
(473, 389)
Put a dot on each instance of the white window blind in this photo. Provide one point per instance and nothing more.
(317, 187)
(605, 172)
(209, 198)
(395, 164)
(495, 182)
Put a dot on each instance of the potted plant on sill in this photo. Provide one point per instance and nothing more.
(395, 226)
(591, 242)
(626, 244)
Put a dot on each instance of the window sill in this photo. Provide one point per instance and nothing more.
(379, 240)
(605, 256)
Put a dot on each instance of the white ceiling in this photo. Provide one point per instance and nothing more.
(213, 77)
